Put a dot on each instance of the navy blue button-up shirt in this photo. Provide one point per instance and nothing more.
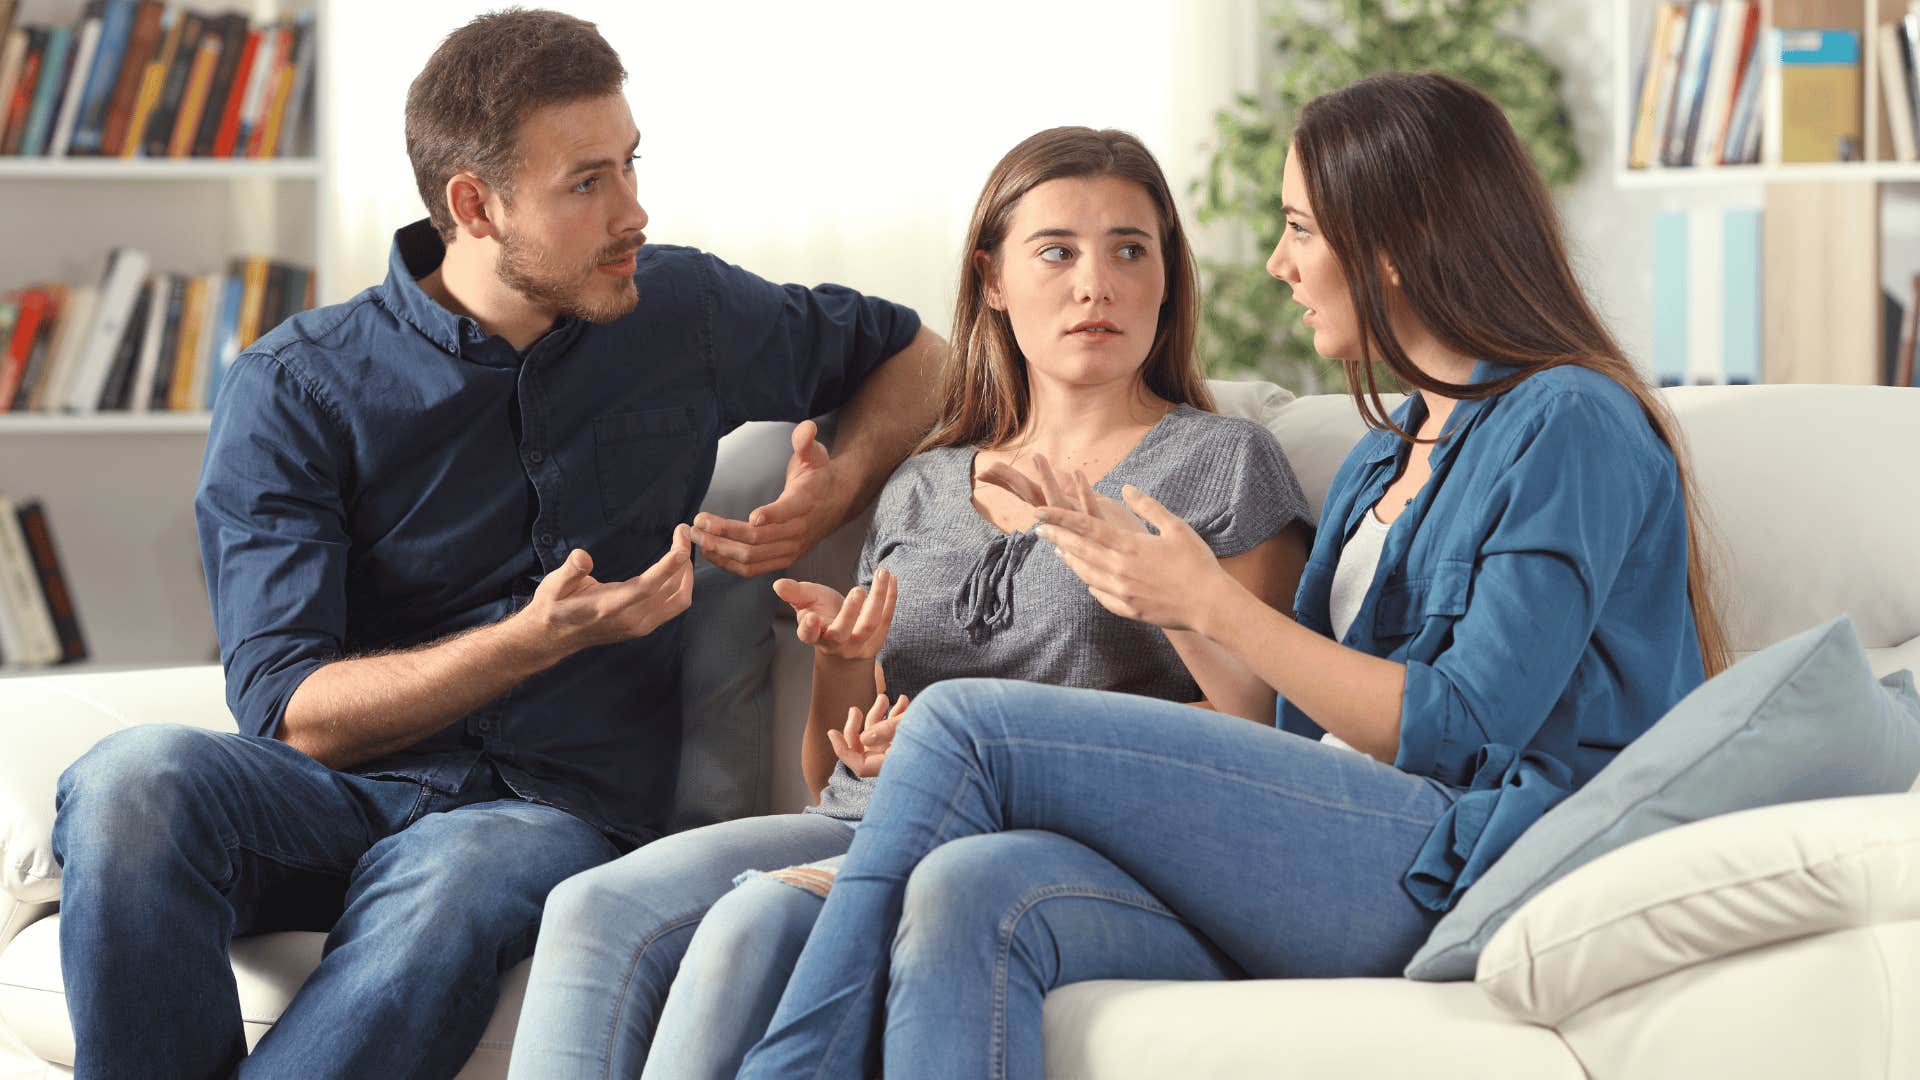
(1535, 589)
(381, 474)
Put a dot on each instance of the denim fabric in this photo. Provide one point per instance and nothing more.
(615, 936)
(1535, 589)
(172, 840)
(381, 473)
(1283, 855)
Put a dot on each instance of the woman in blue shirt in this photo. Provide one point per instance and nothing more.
(1506, 588)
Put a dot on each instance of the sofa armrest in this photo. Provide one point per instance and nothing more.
(48, 721)
(1702, 891)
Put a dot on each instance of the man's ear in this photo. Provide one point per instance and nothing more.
(983, 264)
(468, 197)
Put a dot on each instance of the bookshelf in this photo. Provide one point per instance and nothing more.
(118, 487)
(1834, 234)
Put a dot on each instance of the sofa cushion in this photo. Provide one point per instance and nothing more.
(267, 969)
(1802, 720)
(1709, 889)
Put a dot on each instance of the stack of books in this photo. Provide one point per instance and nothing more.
(139, 341)
(38, 626)
(145, 78)
(1699, 86)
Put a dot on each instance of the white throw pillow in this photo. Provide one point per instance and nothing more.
(1705, 890)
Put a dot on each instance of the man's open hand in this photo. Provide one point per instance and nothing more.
(776, 534)
(574, 610)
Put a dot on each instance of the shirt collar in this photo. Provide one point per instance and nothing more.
(1386, 444)
(417, 252)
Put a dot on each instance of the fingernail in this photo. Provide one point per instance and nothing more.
(1040, 515)
(1044, 532)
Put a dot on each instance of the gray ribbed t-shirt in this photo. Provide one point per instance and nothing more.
(975, 601)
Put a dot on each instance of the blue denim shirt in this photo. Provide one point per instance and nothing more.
(382, 473)
(1535, 589)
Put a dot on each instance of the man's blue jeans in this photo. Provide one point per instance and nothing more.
(1026, 836)
(172, 840)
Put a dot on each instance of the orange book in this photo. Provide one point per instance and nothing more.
(187, 351)
(151, 86)
(237, 91)
(251, 297)
(194, 101)
(266, 142)
(142, 43)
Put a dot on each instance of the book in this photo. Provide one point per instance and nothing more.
(1820, 99)
(180, 395)
(236, 96)
(253, 296)
(193, 100)
(294, 136)
(225, 345)
(69, 338)
(52, 579)
(1896, 78)
(26, 327)
(1742, 143)
(38, 355)
(265, 70)
(152, 81)
(143, 41)
(120, 291)
(139, 396)
(1641, 142)
(213, 297)
(17, 103)
(234, 35)
(1702, 17)
(1746, 36)
(116, 23)
(116, 392)
(46, 95)
(20, 594)
(173, 85)
(160, 384)
(1669, 83)
(86, 45)
(1716, 96)
(13, 54)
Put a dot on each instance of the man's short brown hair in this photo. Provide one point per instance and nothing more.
(465, 108)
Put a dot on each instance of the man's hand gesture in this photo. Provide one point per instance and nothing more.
(574, 610)
(776, 534)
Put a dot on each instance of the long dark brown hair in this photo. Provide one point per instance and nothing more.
(1424, 171)
(984, 399)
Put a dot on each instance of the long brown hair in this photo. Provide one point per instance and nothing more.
(983, 395)
(1424, 170)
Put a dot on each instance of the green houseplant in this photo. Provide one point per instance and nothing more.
(1249, 328)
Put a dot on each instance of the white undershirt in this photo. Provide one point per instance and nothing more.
(1352, 577)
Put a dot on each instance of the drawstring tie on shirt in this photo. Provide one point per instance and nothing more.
(984, 606)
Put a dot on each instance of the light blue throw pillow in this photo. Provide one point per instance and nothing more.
(1802, 719)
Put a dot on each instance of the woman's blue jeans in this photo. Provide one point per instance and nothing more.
(617, 938)
(1027, 836)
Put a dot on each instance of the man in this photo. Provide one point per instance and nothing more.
(442, 528)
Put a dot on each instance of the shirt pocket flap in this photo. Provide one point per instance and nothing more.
(1404, 605)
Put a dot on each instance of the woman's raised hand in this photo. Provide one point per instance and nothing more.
(1048, 488)
(853, 627)
(1158, 578)
(862, 745)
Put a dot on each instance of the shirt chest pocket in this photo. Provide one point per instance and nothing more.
(644, 459)
(1407, 605)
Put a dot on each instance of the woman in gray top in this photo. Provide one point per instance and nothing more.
(1073, 374)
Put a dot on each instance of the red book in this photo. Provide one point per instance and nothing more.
(230, 119)
(53, 583)
(17, 109)
(33, 305)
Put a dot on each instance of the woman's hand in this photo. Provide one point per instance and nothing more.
(853, 627)
(1168, 579)
(862, 745)
(1047, 488)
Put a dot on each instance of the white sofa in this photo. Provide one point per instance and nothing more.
(1815, 495)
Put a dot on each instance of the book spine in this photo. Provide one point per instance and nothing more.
(233, 42)
(116, 394)
(12, 612)
(53, 581)
(1723, 63)
(40, 641)
(173, 87)
(46, 95)
(152, 83)
(143, 39)
(229, 128)
(226, 335)
(26, 326)
(160, 383)
(18, 101)
(116, 24)
(70, 337)
(88, 45)
(139, 396)
(1693, 74)
(119, 292)
(1669, 85)
(194, 102)
(294, 135)
(13, 56)
(259, 78)
(192, 309)
(38, 356)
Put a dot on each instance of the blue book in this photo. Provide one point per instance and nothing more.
(46, 92)
(1670, 286)
(1692, 80)
(226, 339)
(115, 24)
(1740, 263)
(1746, 110)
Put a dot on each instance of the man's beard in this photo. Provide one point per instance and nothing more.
(568, 290)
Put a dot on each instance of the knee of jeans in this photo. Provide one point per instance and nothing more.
(133, 783)
(962, 890)
(762, 922)
(954, 711)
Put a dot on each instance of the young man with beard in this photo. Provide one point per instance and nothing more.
(443, 528)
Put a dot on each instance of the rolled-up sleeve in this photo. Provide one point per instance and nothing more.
(1559, 526)
(787, 352)
(273, 537)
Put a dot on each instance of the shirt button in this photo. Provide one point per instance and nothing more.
(546, 539)
(486, 725)
(536, 457)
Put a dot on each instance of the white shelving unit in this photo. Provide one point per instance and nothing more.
(1832, 237)
(119, 488)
